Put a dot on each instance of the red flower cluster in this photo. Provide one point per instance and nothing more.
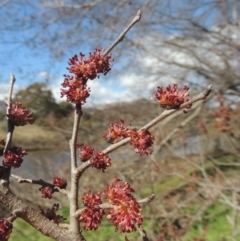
(13, 157)
(126, 214)
(90, 68)
(60, 182)
(86, 152)
(51, 213)
(19, 116)
(141, 139)
(83, 69)
(2, 146)
(47, 191)
(92, 215)
(171, 98)
(5, 229)
(77, 91)
(116, 132)
(99, 160)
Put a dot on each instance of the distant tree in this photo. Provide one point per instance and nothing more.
(39, 99)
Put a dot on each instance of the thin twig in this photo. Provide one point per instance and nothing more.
(8, 103)
(143, 234)
(73, 194)
(121, 36)
(202, 96)
(173, 131)
(10, 129)
(40, 182)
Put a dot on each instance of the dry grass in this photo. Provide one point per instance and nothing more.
(34, 137)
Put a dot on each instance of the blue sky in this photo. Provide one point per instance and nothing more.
(35, 63)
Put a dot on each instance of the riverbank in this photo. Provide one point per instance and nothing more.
(34, 137)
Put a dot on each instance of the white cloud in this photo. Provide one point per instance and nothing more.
(102, 92)
(43, 74)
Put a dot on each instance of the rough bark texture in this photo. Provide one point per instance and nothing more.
(35, 218)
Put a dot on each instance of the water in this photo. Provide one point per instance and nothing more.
(42, 164)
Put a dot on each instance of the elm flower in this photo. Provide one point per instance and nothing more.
(86, 152)
(171, 98)
(76, 90)
(126, 213)
(90, 199)
(51, 213)
(126, 216)
(116, 132)
(117, 191)
(100, 161)
(13, 157)
(47, 191)
(91, 67)
(75, 87)
(141, 140)
(5, 229)
(92, 215)
(19, 116)
(60, 182)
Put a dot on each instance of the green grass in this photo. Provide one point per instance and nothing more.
(22, 231)
(215, 228)
(214, 225)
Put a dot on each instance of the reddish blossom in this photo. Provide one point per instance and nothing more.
(86, 152)
(100, 160)
(19, 116)
(60, 182)
(118, 191)
(2, 146)
(75, 87)
(126, 213)
(92, 215)
(116, 132)
(13, 157)
(91, 200)
(51, 213)
(76, 90)
(90, 68)
(126, 216)
(171, 98)
(47, 191)
(5, 229)
(141, 140)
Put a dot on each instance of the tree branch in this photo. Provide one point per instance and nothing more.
(121, 36)
(41, 183)
(201, 96)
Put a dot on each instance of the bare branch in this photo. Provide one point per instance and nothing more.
(121, 36)
(143, 234)
(201, 96)
(41, 183)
